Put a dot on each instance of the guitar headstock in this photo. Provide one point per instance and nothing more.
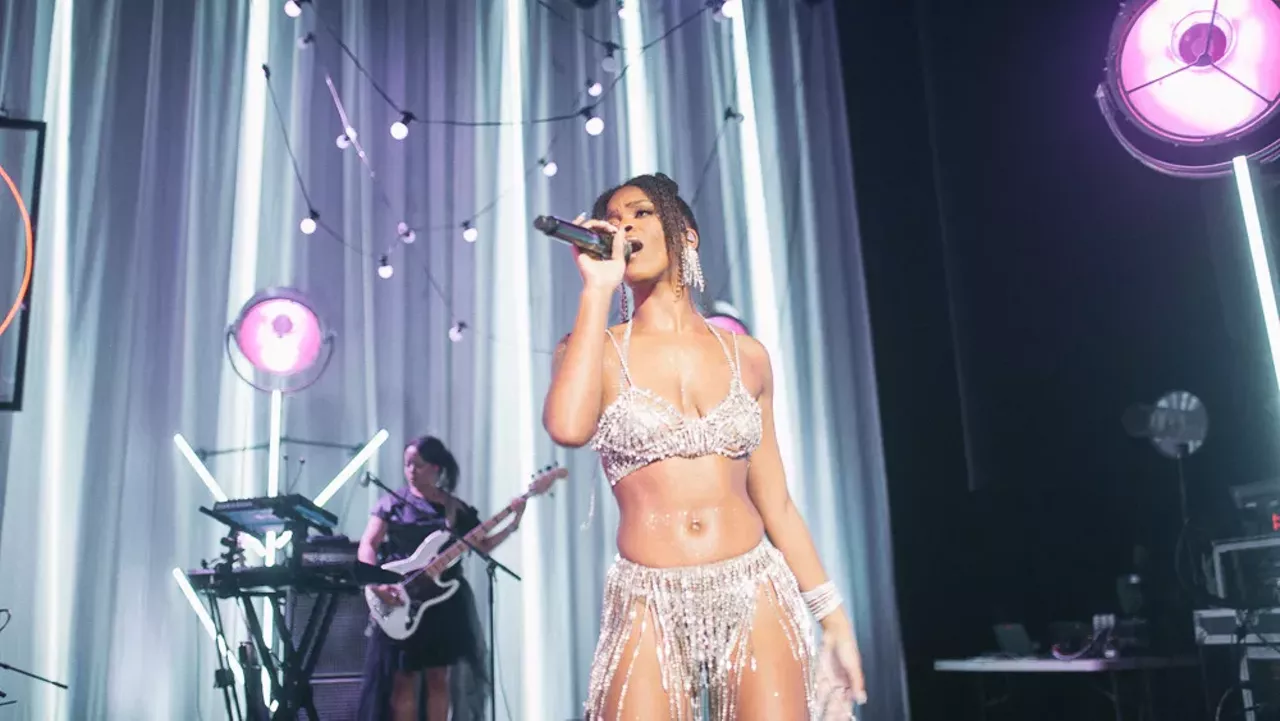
(546, 478)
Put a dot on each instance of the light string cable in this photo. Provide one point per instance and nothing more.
(408, 116)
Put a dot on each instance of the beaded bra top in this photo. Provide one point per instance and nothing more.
(641, 427)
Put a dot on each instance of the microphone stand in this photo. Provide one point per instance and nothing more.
(6, 667)
(491, 572)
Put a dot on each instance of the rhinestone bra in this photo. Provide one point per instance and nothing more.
(641, 427)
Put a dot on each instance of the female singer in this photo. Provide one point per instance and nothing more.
(716, 572)
(449, 635)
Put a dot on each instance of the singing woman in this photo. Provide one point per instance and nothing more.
(717, 584)
(444, 658)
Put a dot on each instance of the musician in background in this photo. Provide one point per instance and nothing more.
(445, 656)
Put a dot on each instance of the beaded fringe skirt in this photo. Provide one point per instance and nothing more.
(702, 618)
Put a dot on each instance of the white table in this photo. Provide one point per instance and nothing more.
(1112, 667)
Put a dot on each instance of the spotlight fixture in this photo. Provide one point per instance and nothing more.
(1198, 81)
(278, 342)
(308, 224)
(594, 124)
(469, 232)
(549, 167)
(724, 316)
(385, 270)
(400, 128)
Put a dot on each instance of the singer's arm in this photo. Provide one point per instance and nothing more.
(572, 407)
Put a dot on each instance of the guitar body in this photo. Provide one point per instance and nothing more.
(422, 587)
(420, 594)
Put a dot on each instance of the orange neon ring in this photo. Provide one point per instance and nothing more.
(31, 246)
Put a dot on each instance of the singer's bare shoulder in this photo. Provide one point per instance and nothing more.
(757, 369)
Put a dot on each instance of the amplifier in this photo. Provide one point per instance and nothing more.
(337, 698)
(1227, 626)
(342, 652)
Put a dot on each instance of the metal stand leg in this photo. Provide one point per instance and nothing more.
(1115, 695)
(223, 677)
(982, 698)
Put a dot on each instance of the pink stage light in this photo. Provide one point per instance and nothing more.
(1191, 74)
(279, 334)
(726, 317)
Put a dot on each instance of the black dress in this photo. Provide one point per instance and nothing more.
(449, 635)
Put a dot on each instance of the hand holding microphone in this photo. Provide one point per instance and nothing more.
(604, 273)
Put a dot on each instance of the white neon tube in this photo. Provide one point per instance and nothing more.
(273, 445)
(350, 469)
(207, 621)
(1261, 264)
(199, 467)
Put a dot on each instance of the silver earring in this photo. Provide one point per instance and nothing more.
(624, 308)
(691, 269)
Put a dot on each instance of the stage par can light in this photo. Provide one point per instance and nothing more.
(726, 317)
(1200, 80)
(278, 341)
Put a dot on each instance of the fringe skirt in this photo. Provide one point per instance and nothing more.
(703, 617)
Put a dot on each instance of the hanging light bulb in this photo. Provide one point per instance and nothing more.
(469, 232)
(731, 8)
(610, 62)
(549, 167)
(342, 141)
(305, 41)
(594, 89)
(292, 8)
(455, 332)
(594, 124)
(623, 12)
(308, 224)
(405, 232)
(400, 128)
(384, 268)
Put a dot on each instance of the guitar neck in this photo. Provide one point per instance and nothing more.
(472, 537)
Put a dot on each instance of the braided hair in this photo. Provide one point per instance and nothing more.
(433, 450)
(675, 214)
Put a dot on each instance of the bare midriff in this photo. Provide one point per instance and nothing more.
(686, 512)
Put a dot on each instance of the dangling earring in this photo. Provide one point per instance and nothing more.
(624, 308)
(691, 269)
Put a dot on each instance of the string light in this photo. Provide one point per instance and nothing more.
(385, 270)
(609, 63)
(405, 232)
(469, 232)
(730, 8)
(292, 8)
(455, 332)
(400, 128)
(549, 167)
(308, 224)
(594, 89)
(623, 13)
(342, 141)
(305, 41)
(594, 124)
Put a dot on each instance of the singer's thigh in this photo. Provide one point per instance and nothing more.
(635, 689)
(774, 688)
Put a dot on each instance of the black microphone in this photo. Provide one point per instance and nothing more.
(597, 244)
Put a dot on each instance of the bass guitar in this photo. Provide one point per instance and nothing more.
(423, 586)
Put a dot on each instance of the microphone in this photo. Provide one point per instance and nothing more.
(597, 244)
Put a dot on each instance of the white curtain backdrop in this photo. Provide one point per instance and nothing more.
(170, 198)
